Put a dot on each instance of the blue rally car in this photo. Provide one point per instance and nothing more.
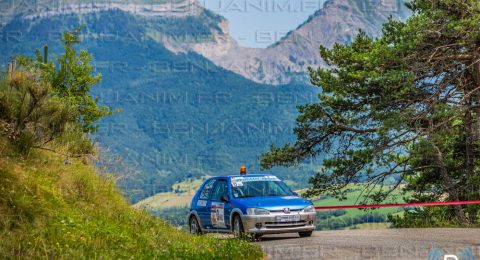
(253, 204)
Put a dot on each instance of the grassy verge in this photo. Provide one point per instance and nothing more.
(49, 209)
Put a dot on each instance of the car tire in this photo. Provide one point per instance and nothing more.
(194, 226)
(256, 237)
(305, 234)
(237, 227)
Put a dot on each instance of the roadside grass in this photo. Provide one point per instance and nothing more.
(53, 210)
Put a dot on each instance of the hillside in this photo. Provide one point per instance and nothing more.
(54, 210)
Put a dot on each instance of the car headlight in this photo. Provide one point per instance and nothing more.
(308, 209)
(254, 211)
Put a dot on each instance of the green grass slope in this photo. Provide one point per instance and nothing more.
(49, 209)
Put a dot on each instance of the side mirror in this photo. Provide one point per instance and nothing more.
(225, 198)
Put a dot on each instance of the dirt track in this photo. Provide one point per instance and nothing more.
(375, 244)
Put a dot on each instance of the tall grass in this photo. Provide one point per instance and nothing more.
(53, 210)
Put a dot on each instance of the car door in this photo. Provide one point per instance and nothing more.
(228, 205)
(219, 216)
(203, 203)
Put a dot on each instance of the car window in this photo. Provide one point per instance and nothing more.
(259, 186)
(219, 190)
(207, 190)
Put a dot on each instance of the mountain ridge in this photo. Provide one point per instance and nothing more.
(279, 64)
(337, 22)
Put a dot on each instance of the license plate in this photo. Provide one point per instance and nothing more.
(288, 218)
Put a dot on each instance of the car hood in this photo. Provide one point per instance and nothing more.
(275, 203)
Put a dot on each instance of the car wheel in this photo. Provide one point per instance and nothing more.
(256, 237)
(195, 226)
(305, 234)
(238, 227)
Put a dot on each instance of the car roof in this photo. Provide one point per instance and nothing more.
(245, 175)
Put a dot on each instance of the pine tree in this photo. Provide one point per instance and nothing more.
(405, 105)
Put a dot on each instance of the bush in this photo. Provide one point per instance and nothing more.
(330, 214)
(425, 217)
(335, 223)
(32, 115)
(42, 102)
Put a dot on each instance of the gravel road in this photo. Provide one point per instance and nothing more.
(376, 244)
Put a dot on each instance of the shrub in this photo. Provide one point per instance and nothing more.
(32, 116)
(43, 102)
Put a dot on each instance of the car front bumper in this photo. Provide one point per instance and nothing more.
(271, 224)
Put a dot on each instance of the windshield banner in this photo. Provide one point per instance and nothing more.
(238, 181)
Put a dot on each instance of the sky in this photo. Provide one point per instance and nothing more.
(260, 23)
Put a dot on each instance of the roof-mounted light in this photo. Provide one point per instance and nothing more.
(243, 170)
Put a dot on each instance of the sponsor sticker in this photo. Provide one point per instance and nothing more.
(218, 215)
(290, 197)
(237, 184)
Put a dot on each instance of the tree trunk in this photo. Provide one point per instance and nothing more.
(470, 139)
(449, 185)
(475, 133)
(476, 78)
(469, 146)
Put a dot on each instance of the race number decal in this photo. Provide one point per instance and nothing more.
(237, 184)
(218, 215)
(201, 203)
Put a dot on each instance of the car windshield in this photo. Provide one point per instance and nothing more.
(259, 186)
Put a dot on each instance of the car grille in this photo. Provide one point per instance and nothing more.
(281, 210)
(285, 224)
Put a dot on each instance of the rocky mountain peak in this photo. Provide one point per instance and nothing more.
(289, 58)
(338, 21)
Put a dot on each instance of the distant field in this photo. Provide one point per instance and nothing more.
(355, 218)
(355, 197)
(383, 225)
(181, 197)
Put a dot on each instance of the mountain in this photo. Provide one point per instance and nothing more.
(337, 22)
(280, 63)
(43, 8)
(185, 113)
